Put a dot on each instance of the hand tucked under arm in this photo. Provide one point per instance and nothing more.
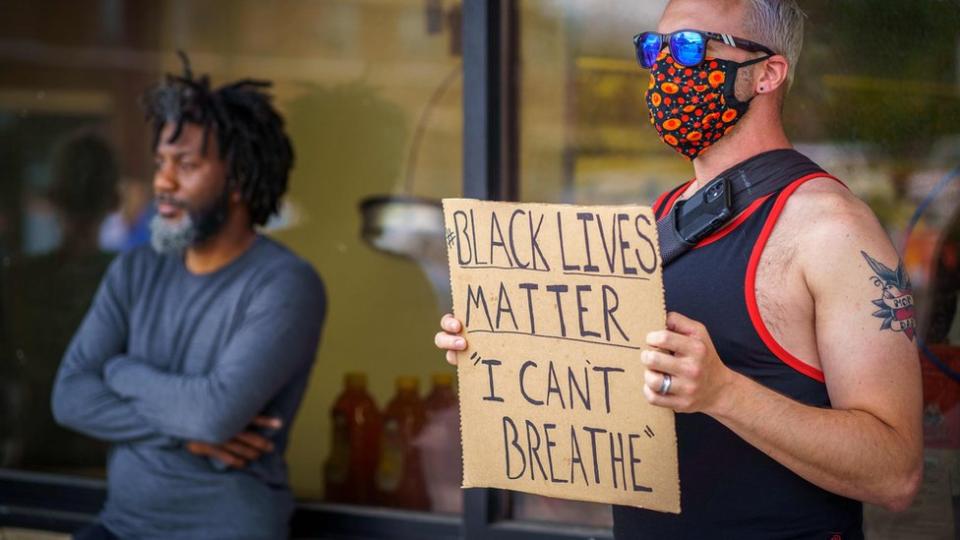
(244, 448)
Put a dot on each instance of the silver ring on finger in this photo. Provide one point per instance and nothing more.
(665, 384)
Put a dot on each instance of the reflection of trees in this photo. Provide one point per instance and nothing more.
(881, 72)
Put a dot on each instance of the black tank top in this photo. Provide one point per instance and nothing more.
(729, 489)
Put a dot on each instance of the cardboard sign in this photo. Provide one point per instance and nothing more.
(557, 301)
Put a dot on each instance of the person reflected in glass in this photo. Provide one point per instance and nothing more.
(44, 298)
(195, 355)
(789, 348)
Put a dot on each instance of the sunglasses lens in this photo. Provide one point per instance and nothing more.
(688, 48)
(648, 48)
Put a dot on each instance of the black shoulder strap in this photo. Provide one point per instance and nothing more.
(749, 180)
(661, 208)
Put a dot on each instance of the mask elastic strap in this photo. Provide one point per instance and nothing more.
(754, 61)
(731, 82)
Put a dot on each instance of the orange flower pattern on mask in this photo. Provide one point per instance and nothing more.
(716, 78)
(688, 106)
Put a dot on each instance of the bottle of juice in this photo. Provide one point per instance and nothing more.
(442, 397)
(399, 479)
(439, 445)
(355, 447)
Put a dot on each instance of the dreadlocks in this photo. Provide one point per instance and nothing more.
(249, 132)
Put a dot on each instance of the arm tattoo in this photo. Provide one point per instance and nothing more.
(896, 300)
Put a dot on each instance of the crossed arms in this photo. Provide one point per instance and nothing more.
(102, 391)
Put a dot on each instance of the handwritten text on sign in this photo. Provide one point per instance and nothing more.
(557, 301)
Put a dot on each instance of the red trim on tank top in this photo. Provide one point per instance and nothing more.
(659, 201)
(727, 229)
(749, 285)
(673, 198)
(730, 227)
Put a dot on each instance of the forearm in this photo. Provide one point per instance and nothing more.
(849, 452)
(202, 408)
(80, 401)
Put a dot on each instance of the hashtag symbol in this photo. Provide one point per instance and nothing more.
(451, 236)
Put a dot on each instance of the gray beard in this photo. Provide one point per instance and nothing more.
(172, 237)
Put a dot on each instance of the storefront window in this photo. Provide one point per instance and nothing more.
(371, 94)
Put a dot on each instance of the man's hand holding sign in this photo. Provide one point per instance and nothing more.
(684, 355)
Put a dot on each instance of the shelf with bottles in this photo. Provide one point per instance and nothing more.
(406, 455)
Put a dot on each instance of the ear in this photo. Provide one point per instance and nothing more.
(234, 195)
(771, 75)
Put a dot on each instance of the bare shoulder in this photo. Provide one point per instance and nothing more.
(828, 207)
(833, 229)
(823, 210)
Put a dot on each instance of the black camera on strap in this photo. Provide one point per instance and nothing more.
(723, 198)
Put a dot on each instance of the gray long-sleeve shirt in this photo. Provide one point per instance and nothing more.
(165, 356)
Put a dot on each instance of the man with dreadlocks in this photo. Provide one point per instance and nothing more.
(195, 354)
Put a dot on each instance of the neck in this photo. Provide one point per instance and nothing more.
(221, 249)
(752, 136)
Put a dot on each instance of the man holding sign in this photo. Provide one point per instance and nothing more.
(788, 345)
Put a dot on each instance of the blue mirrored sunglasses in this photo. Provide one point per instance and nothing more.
(688, 47)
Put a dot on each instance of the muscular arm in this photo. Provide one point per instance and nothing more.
(869, 445)
(276, 340)
(80, 398)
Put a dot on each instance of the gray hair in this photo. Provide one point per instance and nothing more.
(778, 24)
(172, 237)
